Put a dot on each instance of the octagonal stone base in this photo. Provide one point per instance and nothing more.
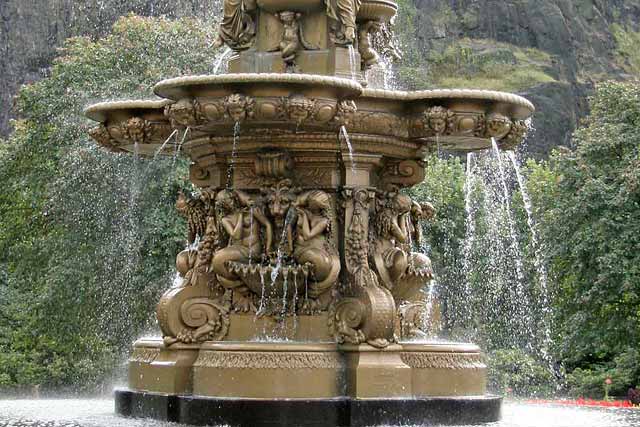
(338, 412)
(307, 384)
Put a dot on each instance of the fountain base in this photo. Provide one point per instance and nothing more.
(314, 384)
(308, 412)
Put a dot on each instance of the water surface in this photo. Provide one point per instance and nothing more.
(99, 413)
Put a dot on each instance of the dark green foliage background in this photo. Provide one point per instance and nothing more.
(88, 238)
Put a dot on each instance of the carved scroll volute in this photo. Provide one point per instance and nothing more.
(193, 314)
(367, 313)
(403, 173)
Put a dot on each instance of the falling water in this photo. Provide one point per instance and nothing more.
(250, 234)
(261, 306)
(285, 284)
(295, 300)
(428, 312)
(218, 63)
(345, 135)
(507, 207)
(494, 304)
(470, 224)
(540, 266)
(352, 61)
(234, 153)
(176, 153)
(388, 76)
(174, 133)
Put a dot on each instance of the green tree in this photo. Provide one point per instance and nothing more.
(88, 238)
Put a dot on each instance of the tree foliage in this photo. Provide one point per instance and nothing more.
(88, 238)
(592, 226)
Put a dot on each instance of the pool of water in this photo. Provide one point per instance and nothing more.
(99, 413)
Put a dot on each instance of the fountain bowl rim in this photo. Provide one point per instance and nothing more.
(472, 94)
(177, 88)
(98, 112)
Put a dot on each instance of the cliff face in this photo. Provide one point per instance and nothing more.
(552, 51)
(562, 48)
(31, 30)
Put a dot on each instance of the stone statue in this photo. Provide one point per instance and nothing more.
(343, 13)
(237, 29)
(244, 242)
(193, 211)
(290, 43)
(391, 233)
(397, 226)
(314, 240)
(368, 55)
(419, 212)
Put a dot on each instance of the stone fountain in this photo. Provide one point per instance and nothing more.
(301, 299)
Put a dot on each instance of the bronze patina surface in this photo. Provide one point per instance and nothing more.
(305, 280)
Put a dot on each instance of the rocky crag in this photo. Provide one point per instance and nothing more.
(552, 51)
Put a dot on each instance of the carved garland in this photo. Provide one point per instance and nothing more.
(268, 360)
(423, 360)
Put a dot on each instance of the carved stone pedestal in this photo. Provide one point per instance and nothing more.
(305, 281)
(302, 384)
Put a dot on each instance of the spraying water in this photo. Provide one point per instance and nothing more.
(345, 135)
(159, 150)
(234, 153)
(222, 57)
(352, 61)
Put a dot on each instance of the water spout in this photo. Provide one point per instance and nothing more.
(345, 135)
(218, 63)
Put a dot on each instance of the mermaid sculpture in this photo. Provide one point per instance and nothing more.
(314, 245)
(241, 222)
(401, 271)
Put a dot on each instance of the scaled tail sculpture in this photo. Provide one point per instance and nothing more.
(301, 298)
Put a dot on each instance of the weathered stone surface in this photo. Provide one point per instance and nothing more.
(31, 30)
(577, 33)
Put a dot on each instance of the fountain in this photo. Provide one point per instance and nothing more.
(300, 300)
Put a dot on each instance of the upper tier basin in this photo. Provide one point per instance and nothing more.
(213, 106)
(379, 10)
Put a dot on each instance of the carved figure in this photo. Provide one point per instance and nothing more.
(239, 107)
(278, 200)
(181, 113)
(401, 271)
(194, 212)
(419, 212)
(368, 55)
(135, 129)
(237, 29)
(314, 240)
(343, 13)
(290, 43)
(437, 119)
(243, 231)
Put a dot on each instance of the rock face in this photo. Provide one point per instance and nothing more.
(577, 35)
(31, 30)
